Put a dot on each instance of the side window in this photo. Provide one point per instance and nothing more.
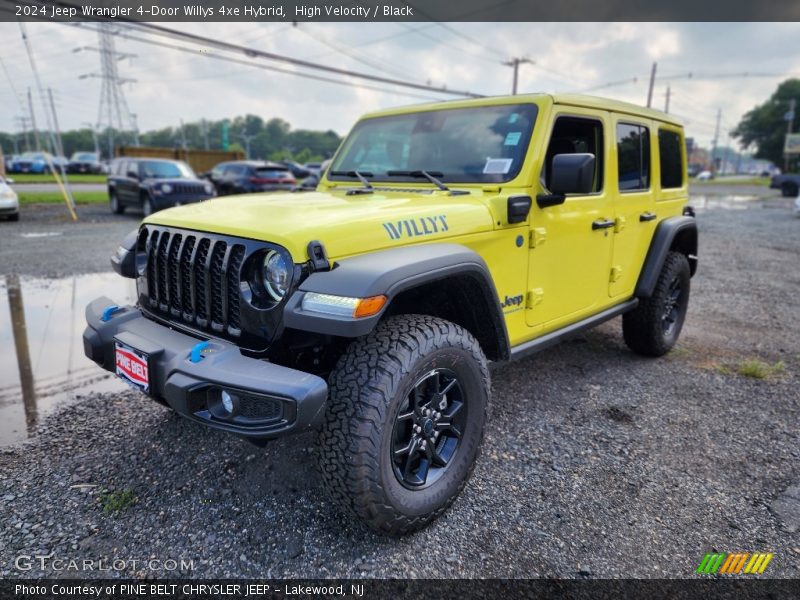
(633, 157)
(217, 171)
(670, 158)
(233, 170)
(575, 135)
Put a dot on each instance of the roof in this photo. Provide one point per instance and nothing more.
(595, 102)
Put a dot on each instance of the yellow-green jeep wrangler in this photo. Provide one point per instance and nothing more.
(443, 238)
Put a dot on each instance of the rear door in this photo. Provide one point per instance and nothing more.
(635, 214)
(571, 242)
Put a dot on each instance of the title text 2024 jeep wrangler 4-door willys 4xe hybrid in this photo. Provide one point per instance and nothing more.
(441, 238)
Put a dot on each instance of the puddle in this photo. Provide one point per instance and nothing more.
(40, 235)
(728, 201)
(42, 364)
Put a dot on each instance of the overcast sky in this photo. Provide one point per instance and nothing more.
(574, 57)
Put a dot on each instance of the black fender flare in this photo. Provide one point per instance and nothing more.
(678, 233)
(391, 272)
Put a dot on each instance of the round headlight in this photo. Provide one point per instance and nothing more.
(166, 188)
(276, 275)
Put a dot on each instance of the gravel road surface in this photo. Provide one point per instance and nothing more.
(596, 462)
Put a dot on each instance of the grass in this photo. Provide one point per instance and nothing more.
(117, 501)
(23, 178)
(57, 198)
(758, 369)
(762, 181)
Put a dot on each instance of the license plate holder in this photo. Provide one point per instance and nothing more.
(132, 366)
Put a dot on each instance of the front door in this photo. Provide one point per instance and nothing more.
(570, 244)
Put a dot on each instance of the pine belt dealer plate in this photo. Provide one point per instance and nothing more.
(132, 366)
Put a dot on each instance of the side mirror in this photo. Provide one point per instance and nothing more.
(572, 174)
(133, 174)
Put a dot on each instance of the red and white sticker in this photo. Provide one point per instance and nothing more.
(131, 365)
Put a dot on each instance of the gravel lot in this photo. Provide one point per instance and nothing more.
(596, 463)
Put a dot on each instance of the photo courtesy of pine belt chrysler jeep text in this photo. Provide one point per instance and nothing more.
(442, 238)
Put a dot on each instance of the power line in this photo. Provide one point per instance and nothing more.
(254, 53)
(264, 68)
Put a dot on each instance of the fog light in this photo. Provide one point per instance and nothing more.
(227, 401)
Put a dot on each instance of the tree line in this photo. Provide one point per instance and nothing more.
(273, 139)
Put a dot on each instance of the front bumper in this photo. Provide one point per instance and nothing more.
(272, 401)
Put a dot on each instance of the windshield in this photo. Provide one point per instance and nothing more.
(156, 169)
(486, 144)
(85, 156)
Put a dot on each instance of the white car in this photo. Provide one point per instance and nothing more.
(9, 203)
(797, 205)
(705, 176)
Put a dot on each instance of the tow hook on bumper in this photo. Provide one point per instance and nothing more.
(208, 381)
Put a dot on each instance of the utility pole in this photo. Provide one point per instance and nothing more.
(789, 122)
(183, 137)
(205, 133)
(113, 108)
(714, 142)
(246, 139)
(515, 63)
(59, 141)
(666, 102)
(94, 137)
(652, 85)
(33, 122)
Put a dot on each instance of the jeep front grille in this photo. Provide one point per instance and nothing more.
(193, 278)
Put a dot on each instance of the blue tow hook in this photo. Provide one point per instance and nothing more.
(197, 352)
(108, 312)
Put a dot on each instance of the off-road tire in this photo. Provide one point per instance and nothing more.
(116, 206)
(368, 387)
(644, 327)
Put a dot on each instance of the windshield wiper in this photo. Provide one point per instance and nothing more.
(362, 177)
(429, 175)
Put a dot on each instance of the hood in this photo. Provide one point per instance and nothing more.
(346, 225)
(174, 181)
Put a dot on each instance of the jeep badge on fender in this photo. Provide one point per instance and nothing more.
(443, 237)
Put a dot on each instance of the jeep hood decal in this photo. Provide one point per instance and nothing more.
(346, 225)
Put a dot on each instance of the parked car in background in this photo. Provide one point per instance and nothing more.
(705, 176)
(788, 184)
(9, 202)
(248, 177)
(85, 162)
(311, 182)
(298, 170)
(153, 184)
(9, 160)
(29, 162)
(314, 167)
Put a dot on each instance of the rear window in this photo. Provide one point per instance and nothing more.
(273, 172)
(670, 158)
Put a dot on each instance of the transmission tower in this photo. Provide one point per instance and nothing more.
(113, 112)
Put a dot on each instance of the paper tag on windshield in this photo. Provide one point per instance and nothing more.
(512, 138)
(497, 166)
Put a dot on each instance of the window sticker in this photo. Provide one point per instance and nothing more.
(513, 118)
(497, 166)
(512, 138)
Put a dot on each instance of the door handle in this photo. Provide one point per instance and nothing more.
(647, 216)
(602, 224)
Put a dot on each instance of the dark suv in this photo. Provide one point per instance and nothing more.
(85, 162)
(249, 177)
(152, 184)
